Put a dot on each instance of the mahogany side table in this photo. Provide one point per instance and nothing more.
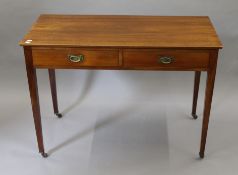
(163, 43)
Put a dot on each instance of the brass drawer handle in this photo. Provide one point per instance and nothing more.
(166, 59)
(76, 58)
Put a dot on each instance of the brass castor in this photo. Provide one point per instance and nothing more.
(195, 116)
(201, 155)
(59, 115)
(44, 155)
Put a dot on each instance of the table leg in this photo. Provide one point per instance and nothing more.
(195, 93)
(211, 73)
(32, 82)
(54, 92)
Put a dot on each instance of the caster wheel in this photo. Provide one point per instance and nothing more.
(59, 115)
(201, 155)
(44, 155)
(195, 116)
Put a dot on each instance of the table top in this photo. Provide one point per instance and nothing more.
(122, 31)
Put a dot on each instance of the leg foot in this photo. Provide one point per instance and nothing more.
(44, 154)
(201, 155)
(59, 115)
(195, 116)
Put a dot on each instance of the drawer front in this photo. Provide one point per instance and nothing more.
(74, 57)
(166, 59)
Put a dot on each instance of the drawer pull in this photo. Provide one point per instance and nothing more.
(76, 58)
(166, 60)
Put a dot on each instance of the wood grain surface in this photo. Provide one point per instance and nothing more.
(58, 57)
(123, 31)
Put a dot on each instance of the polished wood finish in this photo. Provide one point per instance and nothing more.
(58, 57)
(123, 31)
(150, 59)
(122, 42)
(195, 93)
(211, 74)
(54, 92)
(33, 88)
(130, 59)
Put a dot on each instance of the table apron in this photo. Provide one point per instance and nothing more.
(122, 59)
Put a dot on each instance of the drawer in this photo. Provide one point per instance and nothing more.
(74, 57)
(166, 59)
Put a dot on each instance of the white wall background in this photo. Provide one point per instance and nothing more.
(153, 135)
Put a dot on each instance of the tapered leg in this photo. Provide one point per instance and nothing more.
(32, 82)
(211, 73)
(195, 93)
(54, 92)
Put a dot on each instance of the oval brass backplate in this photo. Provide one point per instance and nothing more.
(166, 59)
(76, 58)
